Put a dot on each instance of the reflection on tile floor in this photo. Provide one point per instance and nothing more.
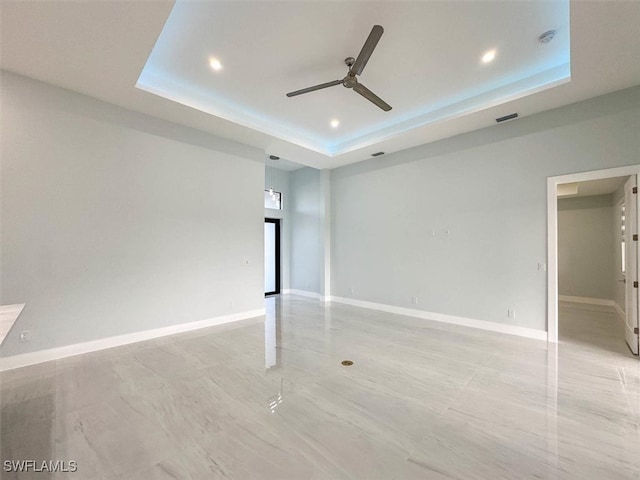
(269, 399)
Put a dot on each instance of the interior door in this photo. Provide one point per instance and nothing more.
(631, 249)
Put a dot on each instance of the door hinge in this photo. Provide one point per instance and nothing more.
(635, 237)
(635, 284)
(635, 190)
(635, 330)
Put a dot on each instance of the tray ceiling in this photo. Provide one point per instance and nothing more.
(428, 64)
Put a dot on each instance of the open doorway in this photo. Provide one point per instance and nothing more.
(271, 256)
(593, 259)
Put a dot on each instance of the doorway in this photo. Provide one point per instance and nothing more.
(271, 256)
(627, 250)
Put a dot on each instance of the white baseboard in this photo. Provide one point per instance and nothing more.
(621, 313)
(595, 301)
(441, 317)
(587, 300)
(31, 358)
(303, 293)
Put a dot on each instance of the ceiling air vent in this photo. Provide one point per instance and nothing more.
(377, 154)
(506, 117)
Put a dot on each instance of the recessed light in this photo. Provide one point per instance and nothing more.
(334, 123)
(215, 64)
(489, 56)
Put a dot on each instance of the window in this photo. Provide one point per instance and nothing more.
(273, 199)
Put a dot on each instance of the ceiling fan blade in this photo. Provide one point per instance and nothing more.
(372, 97)
(367, 50)
(314, 88)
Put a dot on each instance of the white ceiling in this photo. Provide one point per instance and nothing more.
(100, 49)
(603, 186)
(283, 164)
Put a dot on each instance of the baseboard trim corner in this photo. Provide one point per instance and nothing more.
(41, 356)
(621, 313)
(444, 318)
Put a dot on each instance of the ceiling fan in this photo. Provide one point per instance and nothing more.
(356, 66)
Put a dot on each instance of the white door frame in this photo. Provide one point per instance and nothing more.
(552, 234)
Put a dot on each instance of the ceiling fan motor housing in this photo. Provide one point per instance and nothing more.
(349, 81)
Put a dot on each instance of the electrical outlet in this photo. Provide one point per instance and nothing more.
(351, 290)
(414, 300)
(542, 267)
(511, 313)
(432, 233)
(25, 336)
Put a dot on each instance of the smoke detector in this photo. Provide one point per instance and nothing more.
(546, 37)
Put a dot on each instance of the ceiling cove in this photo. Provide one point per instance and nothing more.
(435, 61)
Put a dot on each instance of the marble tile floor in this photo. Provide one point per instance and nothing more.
(269, 399)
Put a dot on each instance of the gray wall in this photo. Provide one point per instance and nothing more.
(306, 230)
(586, 247)
(488, 190)
(279, 180)
(115, 222)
